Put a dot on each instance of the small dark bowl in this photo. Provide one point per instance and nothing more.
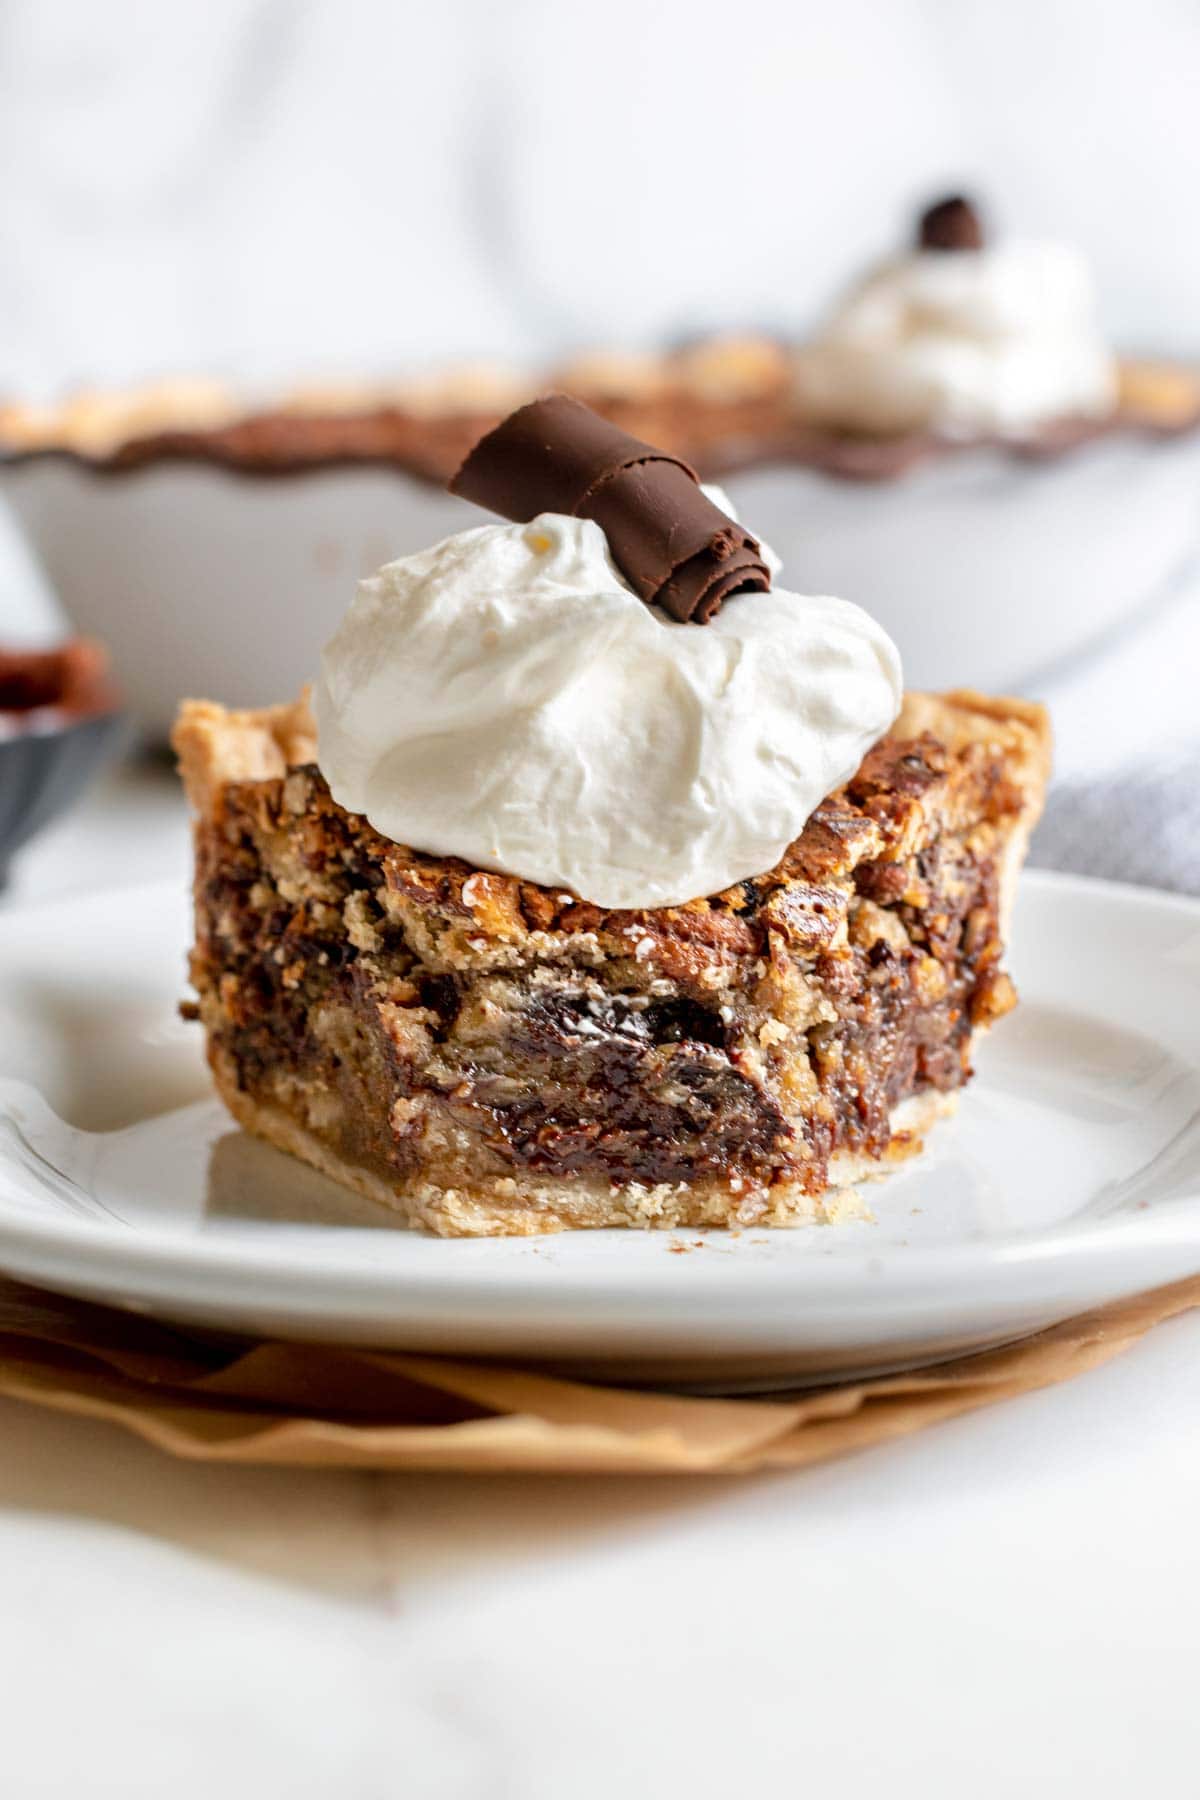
(50, 750)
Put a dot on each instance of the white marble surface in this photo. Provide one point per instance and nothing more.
(1006, 1603)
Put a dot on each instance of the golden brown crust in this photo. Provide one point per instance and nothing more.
(721, 403)
(217, 747)
(1022, 731)
(1163, 396)
(95, 423)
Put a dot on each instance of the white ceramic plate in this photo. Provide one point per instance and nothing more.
(1070, 1176)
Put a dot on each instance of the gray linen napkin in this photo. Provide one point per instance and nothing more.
(1125, 799)
(1141, 826)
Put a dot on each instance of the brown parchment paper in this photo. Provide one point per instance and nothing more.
(319, 1407)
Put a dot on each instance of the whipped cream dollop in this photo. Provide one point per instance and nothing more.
(999, 340)
(505, 697)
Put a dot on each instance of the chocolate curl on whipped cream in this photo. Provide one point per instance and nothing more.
(673, 546)
(950, 224)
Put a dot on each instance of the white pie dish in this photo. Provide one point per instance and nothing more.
(988, 568)
(205, 581)
(985, 568)
(1071, 1176)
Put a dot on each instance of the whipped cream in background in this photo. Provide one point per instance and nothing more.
(506, 697)
(998, 340)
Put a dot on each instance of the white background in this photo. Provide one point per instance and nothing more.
(283, 186)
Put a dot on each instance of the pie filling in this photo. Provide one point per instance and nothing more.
(429, 1024)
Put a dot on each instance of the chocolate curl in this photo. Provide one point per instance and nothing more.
(673, 546)
(950, 224)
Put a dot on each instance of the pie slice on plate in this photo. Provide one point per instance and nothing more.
(488, 1056)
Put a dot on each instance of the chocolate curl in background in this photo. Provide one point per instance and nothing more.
(950, 224)
(673, 546)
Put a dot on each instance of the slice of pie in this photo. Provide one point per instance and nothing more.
(489, 1056)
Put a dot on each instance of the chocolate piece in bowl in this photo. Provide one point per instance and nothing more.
(38, 688)
(60, 722)
(400, 985)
